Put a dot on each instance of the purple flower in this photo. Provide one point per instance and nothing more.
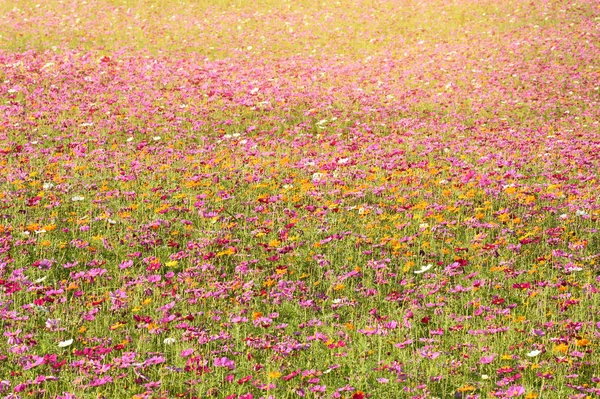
(224, 362)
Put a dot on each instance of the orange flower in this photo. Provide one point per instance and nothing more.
(561, 348)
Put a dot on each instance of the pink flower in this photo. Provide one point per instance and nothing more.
(487, 359)
(427, 353)
(224, 362)
(186, 352)
(514, 391)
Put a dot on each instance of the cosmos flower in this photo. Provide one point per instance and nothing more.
(534, 353)
(423, 269)
(64, 344)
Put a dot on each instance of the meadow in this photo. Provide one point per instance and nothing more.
(282, 199)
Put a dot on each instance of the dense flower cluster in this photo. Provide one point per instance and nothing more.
(410, 211)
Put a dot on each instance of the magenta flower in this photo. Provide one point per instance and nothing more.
(487, 359)
(224, 362)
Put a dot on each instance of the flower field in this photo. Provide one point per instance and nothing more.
(284, 199)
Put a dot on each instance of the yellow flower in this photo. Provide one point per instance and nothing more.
(116, 326)
(228, 251)
(273, 375)
(561, 348)
(269, 283)
(49, 227)
(72, 286)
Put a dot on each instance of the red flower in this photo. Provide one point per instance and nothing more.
(498, 301)
(358, 395)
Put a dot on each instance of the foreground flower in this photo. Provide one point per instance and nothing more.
(64, 344)
(224, 362)
(423, 269)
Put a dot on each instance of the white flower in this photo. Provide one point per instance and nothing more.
(156, 138)
(47, 186)
(129, 139)
(39, 280)
(579, 212)
(534, 353)
(111, 221)
(563, 216)
(423, 269)
(485, 376)
(572, 268)
(64, 344)
(317, 177)
(77, 198)
(169, 341)
(343, 161)
(40, 308)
